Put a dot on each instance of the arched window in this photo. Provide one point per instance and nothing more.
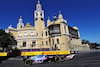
(37, 33)
(46, 33)
(36, 19)
(42, 43)
(31, 34)
(25, 34)
(46, 42)
(42, 19)
(57, 41)
(33, 43)
(36, 14)
(24, 44)
(20, 35)
(21, 26)
(40, 14)
(42, 33)
(65, 28)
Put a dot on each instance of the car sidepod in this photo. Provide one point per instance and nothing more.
(39, 58)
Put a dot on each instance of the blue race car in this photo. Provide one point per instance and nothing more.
(46, 58)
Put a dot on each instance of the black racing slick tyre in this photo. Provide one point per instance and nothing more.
(28, 62)
(57, 59)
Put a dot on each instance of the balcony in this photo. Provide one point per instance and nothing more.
(28, 36)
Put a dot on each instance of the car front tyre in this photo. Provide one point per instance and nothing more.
(28, 62)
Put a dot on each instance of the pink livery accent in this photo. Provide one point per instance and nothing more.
(39, 59)
(35, 61)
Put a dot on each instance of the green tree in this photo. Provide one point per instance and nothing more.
(84, 41)
(94, 45)
(6, 39)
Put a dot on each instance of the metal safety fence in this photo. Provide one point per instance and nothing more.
(53, 47)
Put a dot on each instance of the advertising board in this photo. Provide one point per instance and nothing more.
(45, 53)
(3, 54)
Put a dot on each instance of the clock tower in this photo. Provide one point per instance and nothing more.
(39, 18)
(20, 23)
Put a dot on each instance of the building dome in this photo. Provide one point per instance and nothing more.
(20, 20)
(76, 28)
(60, 16)
(28, 25)
(48, 21)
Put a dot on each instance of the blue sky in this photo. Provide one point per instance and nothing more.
(85, 14)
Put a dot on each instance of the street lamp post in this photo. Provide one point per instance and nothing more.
(21, 47)
(51, 45)
(55, 18)
(40, 47)
(31, 47)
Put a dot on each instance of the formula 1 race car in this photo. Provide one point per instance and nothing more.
(41, 59)
(35, 59)
(46, 58)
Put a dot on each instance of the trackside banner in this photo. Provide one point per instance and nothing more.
(3, 54)
(45, 53)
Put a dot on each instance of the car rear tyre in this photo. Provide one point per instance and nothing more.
(57, 59)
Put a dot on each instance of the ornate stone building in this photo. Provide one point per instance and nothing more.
(58, 34)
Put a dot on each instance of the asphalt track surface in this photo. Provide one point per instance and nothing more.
(90, 59)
